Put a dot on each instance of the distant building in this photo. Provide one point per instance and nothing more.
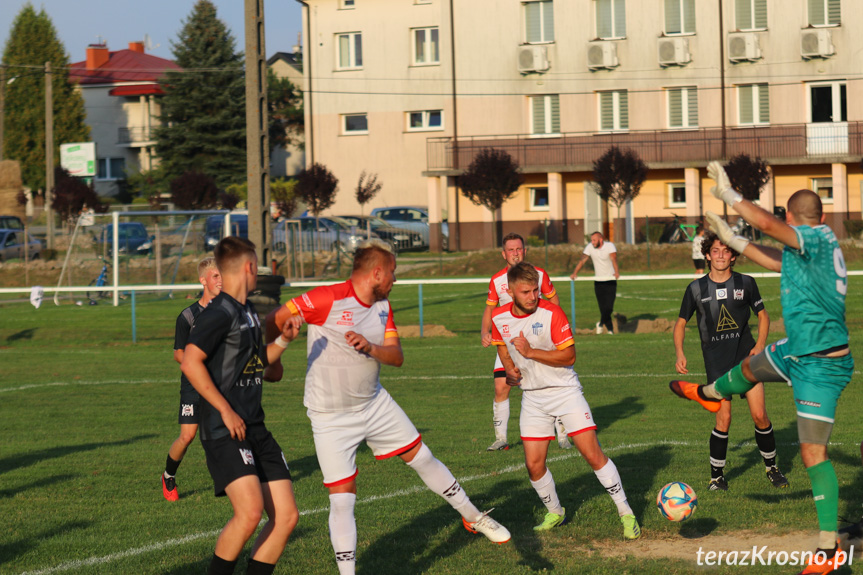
(411, 91)
(287, 162)
(121, 98)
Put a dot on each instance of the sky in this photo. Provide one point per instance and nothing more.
(118, 22)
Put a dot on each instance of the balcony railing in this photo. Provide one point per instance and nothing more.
(668, 147)
(134, 135)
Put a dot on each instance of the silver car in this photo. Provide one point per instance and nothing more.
(12, 245)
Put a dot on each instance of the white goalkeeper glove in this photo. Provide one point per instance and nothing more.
(725, 233)
(722, 189)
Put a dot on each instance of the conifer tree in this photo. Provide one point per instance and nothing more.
(32, 42)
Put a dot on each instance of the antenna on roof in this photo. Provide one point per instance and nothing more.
(148, 43)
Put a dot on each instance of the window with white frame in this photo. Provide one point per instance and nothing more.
(682, 107)
(545, 114)
(426, 49)
(350, 53)
(679, 17)
(610, 19)
(614, 111)
(750, 14)
(346, 4)
(422, 1)
(425, 121)
(110, 168)
(824, 188)
(824, 13)
(676, 195)
(538, 199)
(355, 124)
(538, 22)
(753, 105)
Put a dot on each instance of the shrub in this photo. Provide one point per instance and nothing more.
(853, 228)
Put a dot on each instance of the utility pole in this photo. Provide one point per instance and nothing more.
(2, 105)
(257, 140)
(49, 153)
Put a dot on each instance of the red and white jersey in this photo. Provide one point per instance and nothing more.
(547, 328)
(338, 377)
(497, 287)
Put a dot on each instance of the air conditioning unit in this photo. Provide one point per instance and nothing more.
(743, 47)
(602, 55)
(816, 43)
(532, 59)
(673, 51)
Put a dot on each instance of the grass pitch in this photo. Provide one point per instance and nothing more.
(87, 418)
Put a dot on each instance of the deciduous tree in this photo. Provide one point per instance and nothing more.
(619, 176)
(491, 179)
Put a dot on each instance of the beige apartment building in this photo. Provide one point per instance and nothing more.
(412, 89)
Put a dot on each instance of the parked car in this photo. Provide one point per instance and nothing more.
(401, 238)
(132, 238)
(325, 233)
(12, 245)
(414, 218)
(11, 223)
(215, 225)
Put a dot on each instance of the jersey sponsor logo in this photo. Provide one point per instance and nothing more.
(347, 318)
(504, 331)
(808, 403)
(308, 301)
(565, 327)
(738, 294)
(187, 409)
(721, 293)
(537, 328)
(726, 322)
(253, 366)
(247, 456)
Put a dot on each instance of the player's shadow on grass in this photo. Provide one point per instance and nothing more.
(29, 458)
(13, 549)
(202, 565)
(30, 484)
(23, 334)
(787, 448)
(303, 467)
(606, 415)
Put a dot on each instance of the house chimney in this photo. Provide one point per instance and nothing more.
(97, 56)
(136, 47)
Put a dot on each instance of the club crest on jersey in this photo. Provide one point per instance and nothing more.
(721, 293)
(504, 331)
(537, 328)
(738, 294)
(347, 318)
(247, 456)
(383, 315)
(188, 410)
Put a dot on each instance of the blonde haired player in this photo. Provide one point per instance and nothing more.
(211, 280)
(351, 333)
(535, 344)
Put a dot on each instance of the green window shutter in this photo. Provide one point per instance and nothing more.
(606, 110)
(693, 107)
(743, 14)
(548, 21)
(533, 30)
(761, 13)
(623, 109)
(689, 16)
(675, 108)
(620, 18)
(555, 113)
(816, 12)
(744, 96)
(538, 106)
(672, 17)
(603, 18)
(834, 12)
(763, 104)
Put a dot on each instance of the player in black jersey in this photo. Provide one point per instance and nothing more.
(224, 361)
(722, 301)
(211, 279)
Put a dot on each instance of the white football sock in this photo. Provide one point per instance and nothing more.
(343, 531)
(544, 487)
(610, 479)
(439, 479)
(500, 418)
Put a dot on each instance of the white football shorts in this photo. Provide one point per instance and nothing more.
(381, 424)
(540, 407)
(498, 364)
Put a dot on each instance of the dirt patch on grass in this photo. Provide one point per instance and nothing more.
(622, 325)
(429, 330)
(686, 547)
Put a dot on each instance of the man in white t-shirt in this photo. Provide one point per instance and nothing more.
(351, 333)
(603, 254)
(535, 344)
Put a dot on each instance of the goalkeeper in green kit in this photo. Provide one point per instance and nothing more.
(815, 358)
